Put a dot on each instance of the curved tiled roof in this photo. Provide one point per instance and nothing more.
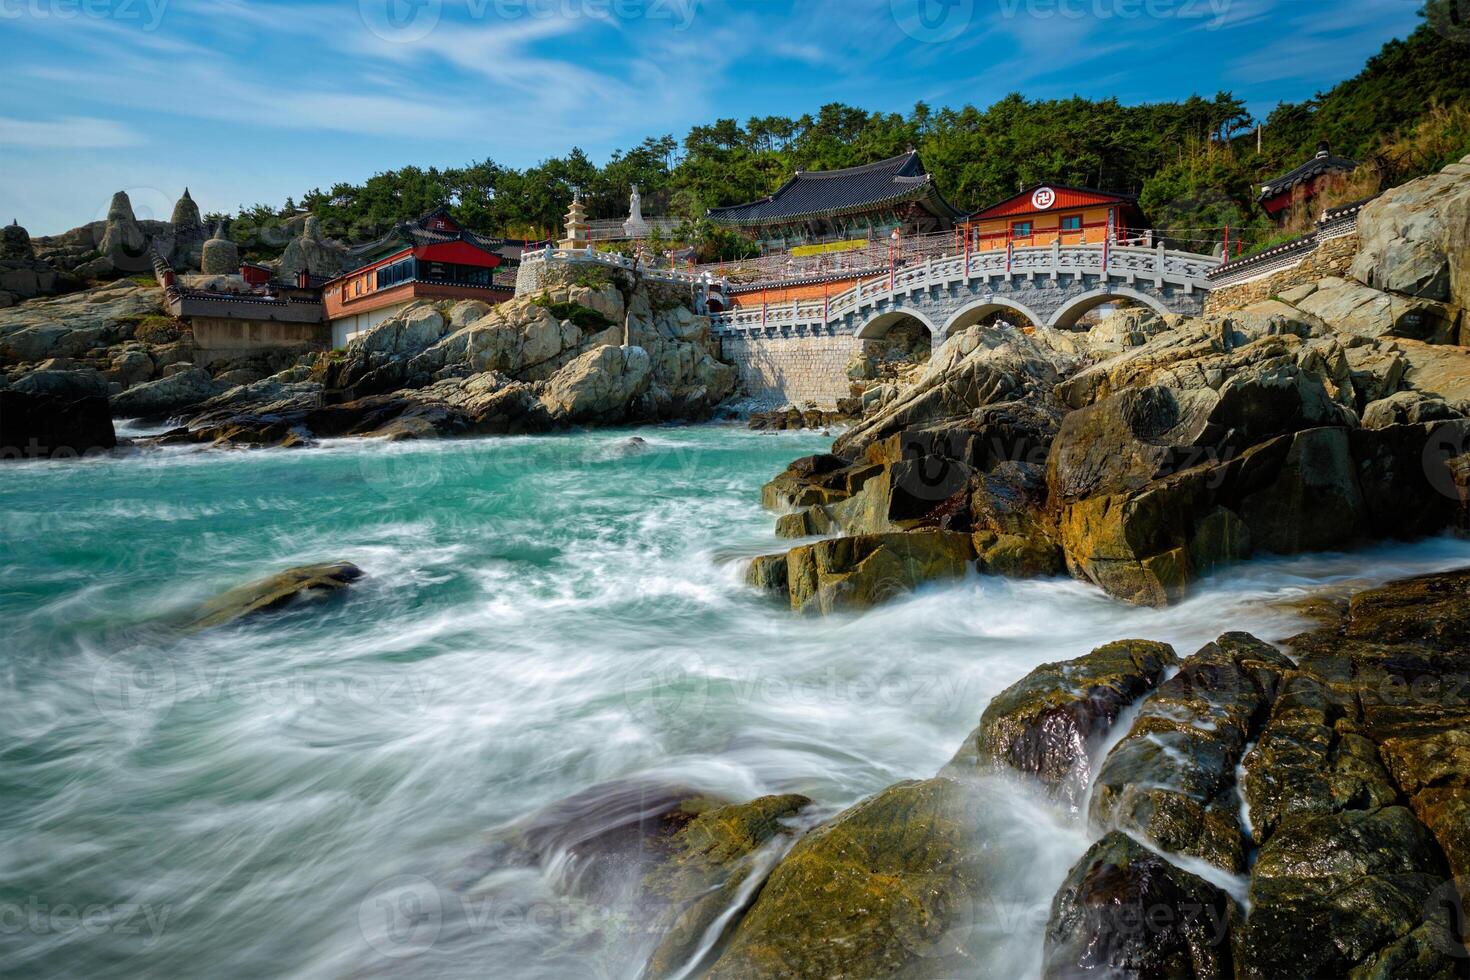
(827, 193)
(417, 233)
(1323, 163)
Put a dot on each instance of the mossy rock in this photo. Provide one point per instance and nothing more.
(273, 593)
(891, 887)
(710, 868)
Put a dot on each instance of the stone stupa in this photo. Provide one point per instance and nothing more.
(219, 257)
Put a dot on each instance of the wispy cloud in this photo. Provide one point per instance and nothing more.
(71, 132)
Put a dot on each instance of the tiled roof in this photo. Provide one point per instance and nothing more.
(1323, 163)
(828, 193)
(417, 233)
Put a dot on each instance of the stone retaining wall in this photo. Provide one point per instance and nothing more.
(1332, 257)
(795, 369)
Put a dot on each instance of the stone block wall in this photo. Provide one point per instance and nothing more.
(793, 369)
(1332, 257)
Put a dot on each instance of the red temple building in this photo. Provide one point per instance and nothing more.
(431, 258)
(1056, 212)
(1303, 183)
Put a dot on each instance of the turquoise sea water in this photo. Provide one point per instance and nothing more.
(310, 794)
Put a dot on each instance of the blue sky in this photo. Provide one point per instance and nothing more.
(254, 100)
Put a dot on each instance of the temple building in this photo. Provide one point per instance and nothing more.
(1303, 183)
(430, 258)
(857, 203)
(1056, 213)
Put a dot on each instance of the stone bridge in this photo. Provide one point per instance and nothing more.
(799, 352)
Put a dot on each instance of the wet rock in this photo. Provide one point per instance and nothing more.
(1125, 911)
(768, 573)
(1172, 777)
(1362, 881)
(858, 572)
(274, 592)
(1051, 722)
(42, 426)
(890, 887)
(717, 862)
(599, 843)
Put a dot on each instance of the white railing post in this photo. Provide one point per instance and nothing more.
(1159, 265)
(1056, 256)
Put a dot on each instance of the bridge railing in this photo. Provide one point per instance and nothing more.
(1123, 261)
(615, 260)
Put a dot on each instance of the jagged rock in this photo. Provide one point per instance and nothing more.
(1050, 723)
(599, 843)
(979, 367)
(598, 386)
(1406, 408)
(1414, 239)
(41, 426)
(1353, 308)
(768, 573)
(1124, 911)
(130, 367)
(167, 396)
(67, 386)
(74, 324)
(416, 328)
(1172, 777)
(1437, 369)
(857, 572)
(274, 592)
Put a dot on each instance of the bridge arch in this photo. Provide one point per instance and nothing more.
(879, 325)
(970, 315)
(1074, 309)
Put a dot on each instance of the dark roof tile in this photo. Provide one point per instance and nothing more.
(828, 193)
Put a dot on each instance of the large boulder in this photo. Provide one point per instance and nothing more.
(44, 426)
(411, 331)
(1415, 238)
(599, 385)
(891, 887)
(67, 385)
(1051, 722)
(167, 396)
(1352, 308)
(978, 367)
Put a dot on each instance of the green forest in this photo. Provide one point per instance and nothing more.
(1194, 163)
